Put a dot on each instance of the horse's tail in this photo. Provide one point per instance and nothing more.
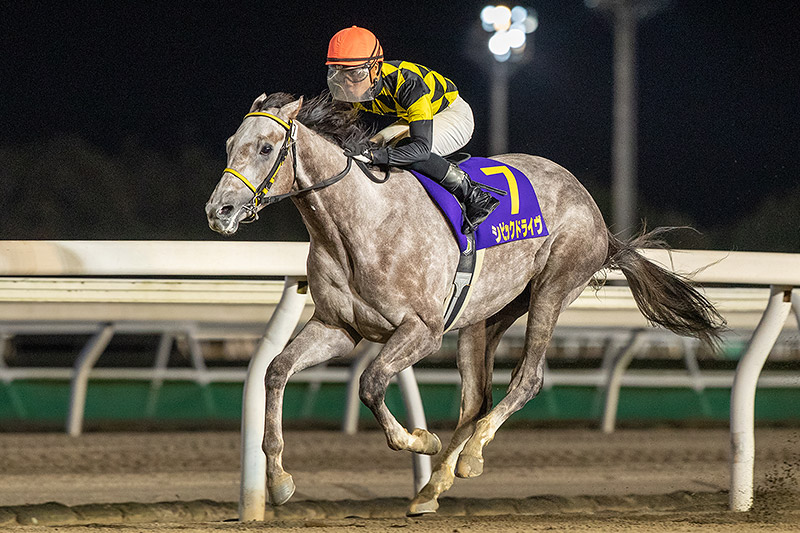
(664, 298)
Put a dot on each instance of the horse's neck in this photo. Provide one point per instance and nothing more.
(344, 211)
(357, 225)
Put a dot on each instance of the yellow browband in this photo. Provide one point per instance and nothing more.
(238, 174)
(270, 115)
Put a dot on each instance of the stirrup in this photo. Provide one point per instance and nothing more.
(467, 228)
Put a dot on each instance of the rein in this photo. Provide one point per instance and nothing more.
(260, 192)
(366, 170)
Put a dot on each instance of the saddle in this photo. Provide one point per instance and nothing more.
(517, 217)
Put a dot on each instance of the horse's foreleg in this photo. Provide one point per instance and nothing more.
(412, 341)
(316, 343)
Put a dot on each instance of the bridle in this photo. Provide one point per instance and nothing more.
(260, 192)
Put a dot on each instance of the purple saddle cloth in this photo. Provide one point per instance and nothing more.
(517, 217)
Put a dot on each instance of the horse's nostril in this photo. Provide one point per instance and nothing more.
(225, 211)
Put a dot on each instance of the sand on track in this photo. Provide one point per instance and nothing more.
(328, 465)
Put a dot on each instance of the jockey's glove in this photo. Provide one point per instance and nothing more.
(367, 152)
(380, 156)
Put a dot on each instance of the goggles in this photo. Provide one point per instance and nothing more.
(351, 74)
(351, 84)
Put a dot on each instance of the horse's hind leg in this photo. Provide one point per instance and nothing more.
(546, 305)
(476, 348)
(316, 343)
(410, 342)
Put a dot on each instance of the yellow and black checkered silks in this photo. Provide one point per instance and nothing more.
(411, 92)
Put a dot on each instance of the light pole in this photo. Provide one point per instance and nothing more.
(625, 14)
(498, 109)
(509, 45)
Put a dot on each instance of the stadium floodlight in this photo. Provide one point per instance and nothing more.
(511, 46)
(509, 28)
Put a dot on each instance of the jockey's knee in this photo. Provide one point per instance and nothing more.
(435, 166)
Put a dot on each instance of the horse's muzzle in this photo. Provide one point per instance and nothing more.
(224, 219)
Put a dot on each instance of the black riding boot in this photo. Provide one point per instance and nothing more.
(478, 204)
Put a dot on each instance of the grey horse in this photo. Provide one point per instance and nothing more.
(381, 265)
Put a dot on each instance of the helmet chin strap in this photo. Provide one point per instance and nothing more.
(377, 83)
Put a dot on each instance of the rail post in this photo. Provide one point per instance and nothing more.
(253, 488)
(743, 396)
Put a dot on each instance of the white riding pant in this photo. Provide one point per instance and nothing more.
(452, 129)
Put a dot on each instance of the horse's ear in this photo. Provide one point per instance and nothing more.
(289, 111)
(257, 102)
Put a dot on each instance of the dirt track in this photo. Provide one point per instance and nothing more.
(626, 474)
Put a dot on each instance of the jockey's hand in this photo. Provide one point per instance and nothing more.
(367, 152)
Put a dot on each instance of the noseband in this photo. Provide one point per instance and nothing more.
(260, 192)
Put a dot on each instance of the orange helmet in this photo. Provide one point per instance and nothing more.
(354, 59)
(353, 47)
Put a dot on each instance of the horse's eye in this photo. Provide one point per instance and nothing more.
(265, 150)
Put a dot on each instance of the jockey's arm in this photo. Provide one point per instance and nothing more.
(417, 147)
(420, 136)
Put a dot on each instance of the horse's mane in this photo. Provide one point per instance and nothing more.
(338, 121)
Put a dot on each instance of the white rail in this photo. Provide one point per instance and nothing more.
(781, 272)
(743, 268)
(152, 258)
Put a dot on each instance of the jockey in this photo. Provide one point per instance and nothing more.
(433, 120)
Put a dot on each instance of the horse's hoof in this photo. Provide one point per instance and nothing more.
(281, 489)
(420, 507)
(469, 466)
(431, 445)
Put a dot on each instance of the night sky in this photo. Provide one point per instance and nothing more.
(718, 82)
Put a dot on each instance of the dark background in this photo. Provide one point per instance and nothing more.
(113, 116)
